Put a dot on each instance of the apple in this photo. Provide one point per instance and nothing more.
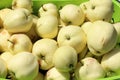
(73, 36)
(3, 13)
(19, 43)
(40, 76)
(27, 4)
(54, 74)
(23, 66)
(4, 36)
(110, 62)
(18, 20)
(6, 56)
(47, 26)
(86, 26)
(90, 70)
(98, 10)
(72, 14)
(48, 8)
(3, 68)
(65, 59)
(32, 32)
(101, 38)
(117, 27)
(44, 50)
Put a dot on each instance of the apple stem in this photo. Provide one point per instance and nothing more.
(10, 41)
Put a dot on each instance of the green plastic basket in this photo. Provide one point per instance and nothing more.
(38, 3)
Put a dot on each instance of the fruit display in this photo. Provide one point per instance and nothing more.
(59, 40)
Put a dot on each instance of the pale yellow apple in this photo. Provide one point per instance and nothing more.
(73, 36)
(72, 14)
(101, 38)
(18, 20)
(117, 27)
(90, 70)
(110, 62)
(6, 56)
(65, 58)
(54, 74)
(4, 36)
(86, 26)
(3, 68)
(48, 8)
(27, 4)
(98, 10)
(23, 66)
(44, 50)
(47, 26)
(3, 13)
(19, 43)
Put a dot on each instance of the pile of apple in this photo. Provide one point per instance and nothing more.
(75, 42)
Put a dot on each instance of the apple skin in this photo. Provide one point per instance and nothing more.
(101, 38)
(72, 14)
(96, 10)
(117, 27)
(110, 62)
(73, 36)
(54, 74)
(3, 13)
(18, 20)
(47, 26)
(65, 59)
(27, 4)
(3, 68)
(19, 43)
(90, 70)
(48, 9)
(44, 50)
(4, 36)
(20, 67)
(86, 26)
(6, 56)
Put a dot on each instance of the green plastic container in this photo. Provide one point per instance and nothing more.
(38, 3)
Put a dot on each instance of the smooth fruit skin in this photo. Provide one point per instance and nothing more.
(47, 26)
(54, 74)
(110, 62)
(4, 36)
(98, 10)
(3, 68)
(72, 14)
(101, 38)
(90, 69)
(44, 50)
(117, 28)
(19, 43)
(73, 36)
(23, 66)
(48, 9)
(27, 4)
(18, 20)
(65, 59)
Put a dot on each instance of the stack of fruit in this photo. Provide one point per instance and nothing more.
(75, 42)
